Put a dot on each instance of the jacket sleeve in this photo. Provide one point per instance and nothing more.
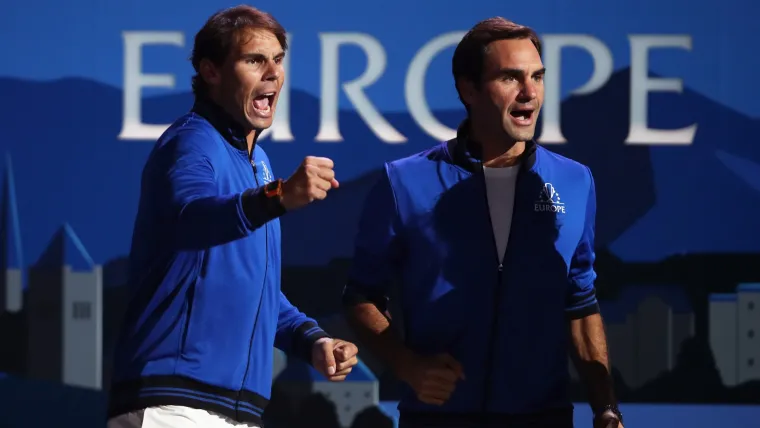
(204, 217)
(581, 296)
(296, 333)
(377, 248)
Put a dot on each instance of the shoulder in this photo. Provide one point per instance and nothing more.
(189, 135)
(563, 165)
(420, 162)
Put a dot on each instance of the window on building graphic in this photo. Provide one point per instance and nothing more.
(82, 310)
(751, 334)
(751, 362)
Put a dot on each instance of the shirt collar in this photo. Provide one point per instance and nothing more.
(230, 129)
(467, 153)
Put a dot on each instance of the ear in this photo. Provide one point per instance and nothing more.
(208, 71)
(467, 91)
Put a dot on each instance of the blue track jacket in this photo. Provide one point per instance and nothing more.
(207, 308)
(426, 225)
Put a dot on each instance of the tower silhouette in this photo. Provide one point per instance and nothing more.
(11, 261)
(65, 314)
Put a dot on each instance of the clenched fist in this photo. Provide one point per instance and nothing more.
(432, 378)
(334, 358)
(311, 181)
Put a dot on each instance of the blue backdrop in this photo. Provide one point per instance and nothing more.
(658, 97)
(67, 74)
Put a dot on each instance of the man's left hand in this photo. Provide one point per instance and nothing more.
(334, 358)
(608, 420)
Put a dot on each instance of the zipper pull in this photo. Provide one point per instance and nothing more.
(501, 267)
(253, 164)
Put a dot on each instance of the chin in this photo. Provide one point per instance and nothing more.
(260, 122)
(520, 135)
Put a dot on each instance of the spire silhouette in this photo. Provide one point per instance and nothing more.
(11, 260)
(65, 249)
(10, 231)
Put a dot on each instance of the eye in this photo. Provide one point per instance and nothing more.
(278, 60)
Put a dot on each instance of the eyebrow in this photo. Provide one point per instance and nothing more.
(261, 56)
(520, 72)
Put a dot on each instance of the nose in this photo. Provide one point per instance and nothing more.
(272, 73)
(528, 92)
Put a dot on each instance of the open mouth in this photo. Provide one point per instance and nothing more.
(522, 115)
(263, 103)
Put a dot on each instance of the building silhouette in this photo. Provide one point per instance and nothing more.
(734, 325)
(65, 314)
(646, 327)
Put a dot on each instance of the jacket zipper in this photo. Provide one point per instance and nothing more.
(496, 301)
(261, 297)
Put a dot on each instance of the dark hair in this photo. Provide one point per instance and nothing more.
(470, 53)
(217, 37)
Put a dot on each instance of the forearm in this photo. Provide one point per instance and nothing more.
(374, 330)
(216, 220)
(591, 359)
(296, 333)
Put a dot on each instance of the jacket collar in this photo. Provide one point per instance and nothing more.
(467, 153)
(232, 131)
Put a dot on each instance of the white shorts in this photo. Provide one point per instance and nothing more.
(174, 417)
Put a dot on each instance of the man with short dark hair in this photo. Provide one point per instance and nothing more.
(196, 346)
(491, 238)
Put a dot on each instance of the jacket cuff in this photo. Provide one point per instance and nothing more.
(304, 338)
(584, 311)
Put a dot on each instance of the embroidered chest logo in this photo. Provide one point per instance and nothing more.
(549, 201)
(266, 174)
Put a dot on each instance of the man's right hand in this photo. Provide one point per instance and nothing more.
(432, 378)
(311, 181)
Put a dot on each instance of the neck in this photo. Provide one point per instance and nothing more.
(499, 157)
(498, 149)
(250, 134)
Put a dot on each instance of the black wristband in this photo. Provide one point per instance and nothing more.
(259, 208)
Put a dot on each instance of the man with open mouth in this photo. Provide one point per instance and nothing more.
(491, 238)
(196, 346)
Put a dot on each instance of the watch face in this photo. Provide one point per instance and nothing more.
(273, 188)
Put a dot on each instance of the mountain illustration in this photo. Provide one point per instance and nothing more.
(70, 168)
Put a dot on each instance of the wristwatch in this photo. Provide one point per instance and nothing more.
(273, 198)
(273, 189)
(609, 408)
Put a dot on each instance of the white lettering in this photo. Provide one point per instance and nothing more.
(551, 132)
(414, 87)
(554, 208)
(280, 129)
(376, 62)
(642, 84)
(134, 80)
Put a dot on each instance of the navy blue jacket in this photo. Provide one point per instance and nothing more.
(426, 225)
(205, 274)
